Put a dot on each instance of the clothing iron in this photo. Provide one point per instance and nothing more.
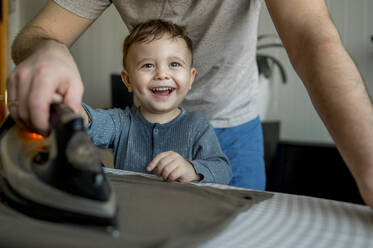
(58, 178)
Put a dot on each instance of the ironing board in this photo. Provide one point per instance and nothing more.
(295, 221)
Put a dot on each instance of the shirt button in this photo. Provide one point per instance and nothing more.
(155, 131)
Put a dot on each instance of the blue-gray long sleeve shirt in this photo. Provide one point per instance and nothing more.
(136, 141)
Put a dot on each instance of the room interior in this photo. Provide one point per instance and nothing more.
(300, 155)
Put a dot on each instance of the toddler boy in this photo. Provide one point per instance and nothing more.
(157, 135)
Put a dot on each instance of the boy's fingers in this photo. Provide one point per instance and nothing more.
(168, 169)
(154, 163)
(162, 164)
(175, 174)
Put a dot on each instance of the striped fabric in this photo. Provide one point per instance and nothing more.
(295, 221)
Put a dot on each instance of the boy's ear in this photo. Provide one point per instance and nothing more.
(126, 80)
(193, 73)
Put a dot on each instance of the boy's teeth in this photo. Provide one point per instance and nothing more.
(161, 89)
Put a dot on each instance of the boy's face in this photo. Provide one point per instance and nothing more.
(159, 73)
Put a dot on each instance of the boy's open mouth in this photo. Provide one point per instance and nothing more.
(162, 91)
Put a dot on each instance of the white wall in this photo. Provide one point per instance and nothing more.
(291, 105)
(98, 54)
(21, 12)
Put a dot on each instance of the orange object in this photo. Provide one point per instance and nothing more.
(4, 48)
(30, 135)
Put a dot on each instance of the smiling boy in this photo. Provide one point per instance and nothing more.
(156, 135)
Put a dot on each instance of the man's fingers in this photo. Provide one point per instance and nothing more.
(11, 88)
(12, 96)
(34, 82)
(18, 92)
(45, 90)
(73, 97)
(41, 95)
(57, 98)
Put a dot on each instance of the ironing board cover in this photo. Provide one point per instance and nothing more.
(152, 213)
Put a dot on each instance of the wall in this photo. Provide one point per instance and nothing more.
(98, 54)
(21, 12)
(291, 104)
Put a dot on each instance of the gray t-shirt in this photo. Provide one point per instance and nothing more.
(224, 34)
(136, 141)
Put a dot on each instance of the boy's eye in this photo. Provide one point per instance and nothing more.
(175, 64)
(148, 65)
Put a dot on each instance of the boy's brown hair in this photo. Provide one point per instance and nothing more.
(152, 30)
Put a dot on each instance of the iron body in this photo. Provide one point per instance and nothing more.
(59, 178)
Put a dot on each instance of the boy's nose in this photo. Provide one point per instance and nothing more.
(161, 74)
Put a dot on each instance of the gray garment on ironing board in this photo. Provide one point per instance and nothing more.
(224, 35)
(152, 213)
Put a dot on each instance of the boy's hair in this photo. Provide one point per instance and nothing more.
(152, 30)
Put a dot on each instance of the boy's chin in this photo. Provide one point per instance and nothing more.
(162, 109)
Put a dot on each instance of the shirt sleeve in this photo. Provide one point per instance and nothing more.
(208, 158)
(90, 9)
(104, 125)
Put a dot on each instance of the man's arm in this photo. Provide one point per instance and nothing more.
(332, 80)
(52, 23)
(45, 66)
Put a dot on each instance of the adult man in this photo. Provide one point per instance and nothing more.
(224, 33)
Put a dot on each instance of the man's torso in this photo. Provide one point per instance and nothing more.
(224, 34)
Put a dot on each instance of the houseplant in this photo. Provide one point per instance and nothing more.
(267, 62)
(266, 66)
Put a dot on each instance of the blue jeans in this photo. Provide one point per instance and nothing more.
(243, 145)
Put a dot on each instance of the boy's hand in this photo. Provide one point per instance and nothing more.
(171, 166)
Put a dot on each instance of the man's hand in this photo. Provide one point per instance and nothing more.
(45, 67)
(171, 166)
(31, 86)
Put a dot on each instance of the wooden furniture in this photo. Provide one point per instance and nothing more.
(312, 169)
(4, 56)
